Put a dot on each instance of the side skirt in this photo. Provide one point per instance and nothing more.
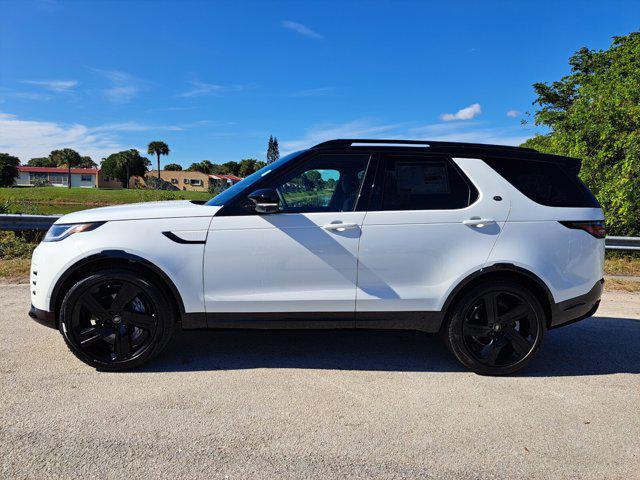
(429, 322)
(423, 321)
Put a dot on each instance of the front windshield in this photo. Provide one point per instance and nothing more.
(229, 193)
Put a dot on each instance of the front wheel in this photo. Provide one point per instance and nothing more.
(116, 320)
(495, 328)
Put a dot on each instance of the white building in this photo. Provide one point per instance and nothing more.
(58, 177)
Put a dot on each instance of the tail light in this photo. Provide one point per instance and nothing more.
(595, 228)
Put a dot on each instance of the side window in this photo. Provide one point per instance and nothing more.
(420, 183)
(545, 183)
(310, 190)
(325, 183)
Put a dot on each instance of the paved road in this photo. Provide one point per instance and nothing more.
(322, 405)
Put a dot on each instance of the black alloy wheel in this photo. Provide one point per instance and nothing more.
(496, 329)
(116, 320)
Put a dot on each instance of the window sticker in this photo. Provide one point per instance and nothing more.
(422, 179)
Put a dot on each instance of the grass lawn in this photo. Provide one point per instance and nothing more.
(620, 284)
(622, 264)
(14, 270)
(50, 200)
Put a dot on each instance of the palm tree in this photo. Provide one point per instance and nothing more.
(158, 148)
(123, 160)
(66, 157)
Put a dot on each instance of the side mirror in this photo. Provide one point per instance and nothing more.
(266, 200)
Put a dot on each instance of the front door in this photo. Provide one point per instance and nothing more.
(295, 263)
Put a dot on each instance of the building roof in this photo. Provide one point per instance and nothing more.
(22, 168)
(219, 176)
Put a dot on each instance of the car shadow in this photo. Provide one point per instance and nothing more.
(596, 346)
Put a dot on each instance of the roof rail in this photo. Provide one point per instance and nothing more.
(348, 142)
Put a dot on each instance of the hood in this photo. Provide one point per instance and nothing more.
(139, 211)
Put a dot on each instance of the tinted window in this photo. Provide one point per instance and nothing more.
(325, 183)
(418, 183)
(545, 183)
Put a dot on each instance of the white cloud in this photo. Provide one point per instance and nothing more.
(31, 96)
(314, 92)
(31, 138)
(199, 89)
(135, 127)
(144, 127)
(301, 29)
(124, 87)
(472, 132)
(466, 113)
(513, 113)
(54, 85)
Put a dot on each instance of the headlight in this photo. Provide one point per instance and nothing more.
(61, 231)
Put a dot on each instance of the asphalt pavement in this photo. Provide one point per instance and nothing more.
(322, 405)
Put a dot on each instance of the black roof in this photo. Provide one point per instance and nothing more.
(453, 148)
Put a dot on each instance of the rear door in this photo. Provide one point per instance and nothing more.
(428, 227)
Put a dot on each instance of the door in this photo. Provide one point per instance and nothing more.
(302, 259)
(428, 227)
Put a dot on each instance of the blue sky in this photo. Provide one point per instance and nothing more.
(215, 79)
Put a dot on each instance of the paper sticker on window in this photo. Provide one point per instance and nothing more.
(422, 179)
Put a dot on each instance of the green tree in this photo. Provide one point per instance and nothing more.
(204, 166)
(246, 167)
(243, 168)
(158, 148)
(231, 167)
(66, 158)
(8, 169)
(273, 150)
(87, 162)
(42, 162)
(123, 165)
(173, 167)
(594, 113)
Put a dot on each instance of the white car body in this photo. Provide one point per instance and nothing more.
(391, 269)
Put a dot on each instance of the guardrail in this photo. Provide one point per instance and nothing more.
(43, 222)
(18, 223)
(622, 243)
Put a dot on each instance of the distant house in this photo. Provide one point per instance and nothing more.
(194, 181)
(225, 179)
(58, 177)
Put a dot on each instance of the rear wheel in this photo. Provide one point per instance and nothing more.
(496, 328)
(116, 320)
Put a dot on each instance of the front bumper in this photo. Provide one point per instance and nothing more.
(48, 319)
(578, 308)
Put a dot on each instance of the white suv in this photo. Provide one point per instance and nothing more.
(489, 246)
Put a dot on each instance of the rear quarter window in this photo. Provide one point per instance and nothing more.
(545, 183)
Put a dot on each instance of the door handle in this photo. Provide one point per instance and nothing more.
(339, 226)
(478, 222)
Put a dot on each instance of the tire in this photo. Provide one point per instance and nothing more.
(116, 320)
(495, 328)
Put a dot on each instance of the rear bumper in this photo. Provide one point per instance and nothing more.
(48, 319)
(578, 308)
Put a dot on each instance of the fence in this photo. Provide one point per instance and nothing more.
(43, 222)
